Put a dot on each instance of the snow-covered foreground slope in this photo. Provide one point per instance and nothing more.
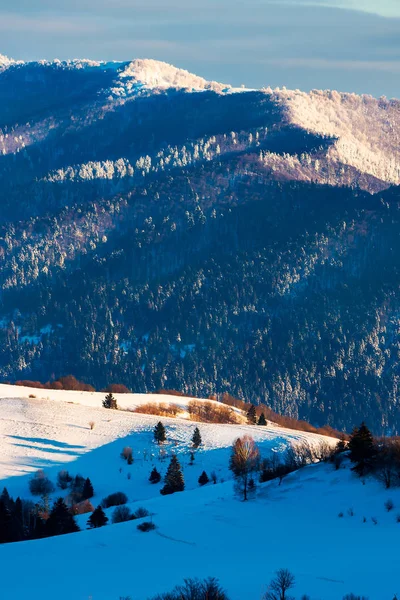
(200, 532)
(207, 532)
(44, 432)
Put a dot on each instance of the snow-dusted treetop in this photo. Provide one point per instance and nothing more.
(6, 62)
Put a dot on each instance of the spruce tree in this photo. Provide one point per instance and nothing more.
(5, 497)
(362, 449)
(110, 402)
(203, 479)
(252, 415)
(196, 439)
(98, 518)
(88, 491)
(262, 420)
(60, 520)
(155, 476)
(5, 523)
(173, 481)
(159, 433)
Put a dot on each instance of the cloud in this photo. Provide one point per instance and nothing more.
(15, 23)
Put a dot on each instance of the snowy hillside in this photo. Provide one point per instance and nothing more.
(366, 129)
(53, 428)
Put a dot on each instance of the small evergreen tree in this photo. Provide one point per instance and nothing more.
(196, 438)
(252, 415)
(87, 491)
(159, 433)
(98, 518)
(110, 402)
(362, 449)
(60, 520)
(203, 479)
(173, 481)
(155, 476)
(262, 420)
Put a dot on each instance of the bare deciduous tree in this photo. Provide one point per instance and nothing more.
(278, 588)
(245, 459)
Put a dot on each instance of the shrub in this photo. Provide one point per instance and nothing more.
(141, 512)
(161, 409)
(389, 505)
(40, 485)
(146, 526)
(374, 520)
(81, 508)
(32, 396)
(63, 479)
(116, 388)
(91, 425)
(340, 515)
(115, 499)
(127, 454)
(121, 514)
(209, 412)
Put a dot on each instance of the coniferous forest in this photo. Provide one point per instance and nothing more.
(148, 240)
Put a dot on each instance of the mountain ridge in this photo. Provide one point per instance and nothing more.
(215, 241)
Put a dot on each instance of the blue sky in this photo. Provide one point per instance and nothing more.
(350, 45)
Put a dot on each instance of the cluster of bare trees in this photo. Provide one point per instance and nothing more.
(246, 463)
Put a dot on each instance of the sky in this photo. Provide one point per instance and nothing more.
(349, 45)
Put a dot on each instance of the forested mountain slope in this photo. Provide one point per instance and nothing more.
(166, 232)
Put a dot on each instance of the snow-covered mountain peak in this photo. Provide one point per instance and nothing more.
(154, 74)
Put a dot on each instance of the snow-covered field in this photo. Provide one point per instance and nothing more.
(200, 532)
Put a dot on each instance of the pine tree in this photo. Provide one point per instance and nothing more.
(159, 433)
(98, 518)
(60, 520)
(252, 415)
(362, 449)
(173, 481)
(203, 479)
(262, 420)
(155, 476)
(5, 497)
(196, 439)
(5, 523)
(87, 491)
(110, 402)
